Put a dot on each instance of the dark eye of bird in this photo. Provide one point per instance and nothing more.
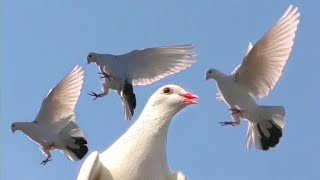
(12, 125)
(166, 90)
(209, 71)
(90, 56)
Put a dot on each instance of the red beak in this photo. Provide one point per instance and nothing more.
(189, 98)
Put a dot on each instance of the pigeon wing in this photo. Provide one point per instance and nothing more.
(263, 65)
(146, 66)
(61, 100)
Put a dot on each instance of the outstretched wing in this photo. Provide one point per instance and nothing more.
(263, 65)
(61, 100)
(146, 66)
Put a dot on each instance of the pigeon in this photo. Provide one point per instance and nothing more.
(140, 153)
(259, 72)
(139, 68)
(55, 126)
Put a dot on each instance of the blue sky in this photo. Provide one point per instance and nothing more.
(43, 40)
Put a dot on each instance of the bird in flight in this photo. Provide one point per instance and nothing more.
(55, 126)
(258, 73)
(139, 68)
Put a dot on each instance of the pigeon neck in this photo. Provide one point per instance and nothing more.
(157, 117)
(145, 143)
(32, 130)
(151, 129)
(23, 126)
(220, 76)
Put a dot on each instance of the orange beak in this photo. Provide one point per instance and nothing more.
(189, 98)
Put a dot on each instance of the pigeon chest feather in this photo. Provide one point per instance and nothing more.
(41, 134)
(235, 95)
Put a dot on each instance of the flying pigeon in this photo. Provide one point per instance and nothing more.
(259, 72)
(55, 126)
(140, 153)
(139, 68)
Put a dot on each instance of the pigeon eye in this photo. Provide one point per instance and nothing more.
(90, 55)
(209, 71)
(12, 125)
(167, 90)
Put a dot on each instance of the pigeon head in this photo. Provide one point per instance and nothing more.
(213, 74)
(172, 98)
(15, 126)
(92, 57)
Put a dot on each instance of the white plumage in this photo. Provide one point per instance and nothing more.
(263, 64)
(140, 153)
(259, 72)
(55, 126)
(139, 68)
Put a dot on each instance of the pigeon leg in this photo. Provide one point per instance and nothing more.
(237, 111)
(49, 147)
(47, 152)
(105, 75)
(95, 95)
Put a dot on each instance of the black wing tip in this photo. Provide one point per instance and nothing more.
(275, 135)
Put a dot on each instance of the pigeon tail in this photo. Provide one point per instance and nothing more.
(128, 100)
(266, 133)
(78, 149)
(76, 144)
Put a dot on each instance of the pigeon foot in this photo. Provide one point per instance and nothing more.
(44, 162)
(225, 123)
(105, 75)
(95, 95)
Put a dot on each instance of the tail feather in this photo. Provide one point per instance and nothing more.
(267, 131)
(271, 137)
(128, 100)
(128, 111)
(71, 128)
(249, 138)
(76, 145)
(78, 149)
(277, 114)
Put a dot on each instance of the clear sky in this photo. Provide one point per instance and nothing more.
(43, 40)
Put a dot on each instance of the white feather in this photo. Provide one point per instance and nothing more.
(263, 65)
(140, 153)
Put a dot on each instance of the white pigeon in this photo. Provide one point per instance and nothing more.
(259, 72)
(140, 153)
(55, 126)
(139, 68)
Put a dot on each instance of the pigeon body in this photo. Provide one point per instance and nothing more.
(139, 68)
(140, 153)
(55, 126)
(257, 75)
